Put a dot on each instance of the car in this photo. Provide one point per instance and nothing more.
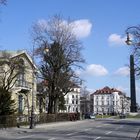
(89, 116)
(92, 116)
(122, 116)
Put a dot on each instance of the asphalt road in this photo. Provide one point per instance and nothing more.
(103, 129)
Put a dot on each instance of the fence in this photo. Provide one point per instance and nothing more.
(19, 120)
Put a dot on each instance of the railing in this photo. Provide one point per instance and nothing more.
(24, 84)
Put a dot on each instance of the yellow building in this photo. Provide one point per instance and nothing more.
(23, 85)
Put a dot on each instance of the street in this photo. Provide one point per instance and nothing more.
(101, 129)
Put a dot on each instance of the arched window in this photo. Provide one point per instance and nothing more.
(20, 103)
(21, 75)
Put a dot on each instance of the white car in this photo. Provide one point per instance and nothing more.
(92, 116)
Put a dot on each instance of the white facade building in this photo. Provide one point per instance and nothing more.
(72, 100)
(110, 101)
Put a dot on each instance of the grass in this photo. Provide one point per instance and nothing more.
(103, 116)
(135, 117)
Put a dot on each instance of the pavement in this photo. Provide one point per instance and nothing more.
(23, 130)
(14, 131)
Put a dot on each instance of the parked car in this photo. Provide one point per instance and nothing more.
(89, 116)
(122, 116)
(92, 116)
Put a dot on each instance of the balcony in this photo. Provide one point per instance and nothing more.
(23, 86)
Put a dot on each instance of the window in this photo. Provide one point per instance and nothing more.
(73, 109)
(102, 102)
(72, 96)
(108, 103)
(113, 103)
(21, 76)
(72, 101)
(102, 109)
(76, 101)
(21, 80)
(97, 103)
(67, 100)
(20, 103)
(97, 110)
(108, 110)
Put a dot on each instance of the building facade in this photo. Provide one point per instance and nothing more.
(72, 100)
(23, 85)
(109, 101)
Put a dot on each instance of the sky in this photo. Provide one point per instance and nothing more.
(100, 26)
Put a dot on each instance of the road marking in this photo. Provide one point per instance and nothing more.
(108, 132)
(72, 133)
(106, 124)
(52, 139)
(87, 129)
(25, 136)
(97, 138)
(98, 126)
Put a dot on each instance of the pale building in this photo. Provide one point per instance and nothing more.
(109, 101)
(72, 100)
(24, 84)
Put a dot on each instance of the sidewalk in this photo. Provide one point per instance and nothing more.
(23, 130)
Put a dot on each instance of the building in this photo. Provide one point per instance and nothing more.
(85, 104)
(109, 101)
(23, 81)
(72, 100)
(69, 103)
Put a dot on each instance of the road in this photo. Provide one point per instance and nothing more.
(101, 129)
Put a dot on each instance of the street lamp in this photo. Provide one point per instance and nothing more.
(132, 72)
(133, 30)
(32, 123)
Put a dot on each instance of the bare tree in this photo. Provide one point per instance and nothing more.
(10, 67)
(134, 32)
(3, 2)
(60, 52)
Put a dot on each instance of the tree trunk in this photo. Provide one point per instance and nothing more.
(55, 105)
(50, 105)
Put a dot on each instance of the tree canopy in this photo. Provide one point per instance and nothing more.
(134, 33)
(60, 54)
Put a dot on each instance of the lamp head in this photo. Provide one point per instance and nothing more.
(128, 40)
(46, 49)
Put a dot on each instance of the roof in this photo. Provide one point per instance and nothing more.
(107, 90)
(12, 54)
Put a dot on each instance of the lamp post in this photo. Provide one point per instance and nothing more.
(32, 123)
(128, 41)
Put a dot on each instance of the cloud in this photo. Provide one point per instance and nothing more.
(82, 28)
(123, 71)
(94, 70)
(116, 40)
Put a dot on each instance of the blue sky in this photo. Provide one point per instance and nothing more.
(101, 27)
